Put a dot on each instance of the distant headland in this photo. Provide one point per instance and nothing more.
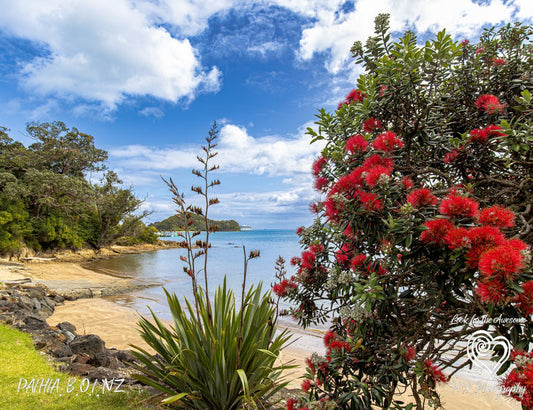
(175, 223)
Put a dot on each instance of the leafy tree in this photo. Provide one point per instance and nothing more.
(64, 151)
(114, 210)
(47, 201)
(426, 216)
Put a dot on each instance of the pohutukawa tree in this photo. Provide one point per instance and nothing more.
(425, 217)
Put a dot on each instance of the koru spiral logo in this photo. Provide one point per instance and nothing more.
(481, 346)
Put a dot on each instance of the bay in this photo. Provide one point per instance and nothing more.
(226, 258)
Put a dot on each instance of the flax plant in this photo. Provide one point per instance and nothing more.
(214, 355)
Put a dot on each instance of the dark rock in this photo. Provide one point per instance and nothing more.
(79, 369)
(33, 323)
(69, 336)
(36, 304)
(59, 299)
(58, 350)
(67, 326)
(101, 373)
(89, 344)
(82, 358)
(124, 356)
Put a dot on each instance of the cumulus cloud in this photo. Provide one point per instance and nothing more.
(104, 51)
(238, 152)
(334, 31)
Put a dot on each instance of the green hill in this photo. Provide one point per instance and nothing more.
(174, 223)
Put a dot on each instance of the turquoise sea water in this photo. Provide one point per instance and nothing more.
(225, 258)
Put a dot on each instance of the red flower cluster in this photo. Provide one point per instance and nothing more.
(481, 239)
(457, 238)
(496, 216)
(387, 142)
(318, 165)
(491, 292)
(354, 96)
(499, 61)
(372, 177)
(434, 374)
(356, 144)
(501, 262)
(490, 104)
(519, 382)
(482, 135)
(371, 124)
(436, 232)
(407, 183)
(284, 287)
(451, 156)
(334, 344)
(525, 300)
(456, 206)
(421, 197)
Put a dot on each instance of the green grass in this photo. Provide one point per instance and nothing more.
(19, 360)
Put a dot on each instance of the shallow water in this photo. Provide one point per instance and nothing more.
(226, 257)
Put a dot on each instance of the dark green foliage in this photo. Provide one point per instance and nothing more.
(46, 202)
(176, 223)
(208, 363)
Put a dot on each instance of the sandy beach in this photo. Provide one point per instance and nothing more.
(116, 325)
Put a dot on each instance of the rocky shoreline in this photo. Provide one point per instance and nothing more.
(26, 307)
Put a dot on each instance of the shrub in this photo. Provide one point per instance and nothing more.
(425, 217)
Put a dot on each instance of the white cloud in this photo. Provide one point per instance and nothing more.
(238, 152)
(334, 31)
(103, 51)
(152, 112)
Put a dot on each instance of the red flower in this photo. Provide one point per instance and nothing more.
(499, 61)
(318, 165)
(409, 352)
(407, 183)
(489, 104)
(436, 232)
(492, 291)
(451, 156)
(371, 124)
(502, 261)
(382, 90)
(525, 299)
(321, 184)
(387, 142)
(281, 289)
(457, 238)
(421, 197)
(458, 206)
(306, 385)
(355, 96)
(328, 338)
(435, 374)
(300, 230)
(357, 261)
(291, 403)
(308, 259)
(376, 160)
(482, 135)
(373, 176)
(481, 240)
(479, 135)
(356, 144)
(344, 254)
(369, 201)
(497, 216)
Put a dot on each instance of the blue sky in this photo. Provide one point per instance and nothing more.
(148, 78)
